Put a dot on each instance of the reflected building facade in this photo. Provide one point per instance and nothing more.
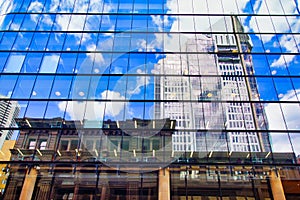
(9, 110)
(151, 99)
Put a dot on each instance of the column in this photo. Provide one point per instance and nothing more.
(103, 192)
(276, 186)
(164, 184)
(29, 183)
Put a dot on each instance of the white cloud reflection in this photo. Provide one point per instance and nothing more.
(285, 116)
(80, 110)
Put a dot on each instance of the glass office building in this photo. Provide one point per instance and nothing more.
(150, 99)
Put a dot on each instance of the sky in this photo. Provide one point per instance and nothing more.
(280, 116)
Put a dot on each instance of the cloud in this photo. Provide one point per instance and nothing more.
(36, 6)
(284, 116)
(277, 24)
(141, 81)
(79, 110)
(283, 60)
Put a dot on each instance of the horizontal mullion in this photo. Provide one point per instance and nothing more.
(150, 75)
(156, 52)
(153, 32)
(162, 14)
(151, 100)
(221, 130)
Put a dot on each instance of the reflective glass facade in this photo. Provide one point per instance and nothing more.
(107, 98)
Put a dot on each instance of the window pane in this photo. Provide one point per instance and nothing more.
(42, 87)
(14, 63)
(23, 87)
(32, 63)
(49, 63)
(9, 82)
(61, 86)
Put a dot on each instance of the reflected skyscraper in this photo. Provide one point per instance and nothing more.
(207, 111)
(9, 111)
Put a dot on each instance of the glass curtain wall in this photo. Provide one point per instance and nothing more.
(158, 83)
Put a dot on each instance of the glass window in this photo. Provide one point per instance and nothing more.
(61, 22)
(43, 144)
(64, 145)
(9, 82)
(77, 22)
(80, 87)
(8, 40)
(23, 87)
(67, 63)
(92, 23)
(141, 6)
(46, 22)
(30, 21)
(7, 20)
(49, 63)
(3, 59)
(155, 7)
(42, 87)
(39, 41)
(72, 42)
(61, 86)
(14, 63)
(74, 144)
(31, 143)
(17, 22)
(55, 109)
(98, 86)
(23, 41)
(56, 41)
(36, 109)
(124, 23)
(32, 63)
(96, 7)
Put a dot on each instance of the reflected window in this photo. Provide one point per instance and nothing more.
(64, 144)
(43, 144)
(31, 143)
(68, 144)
